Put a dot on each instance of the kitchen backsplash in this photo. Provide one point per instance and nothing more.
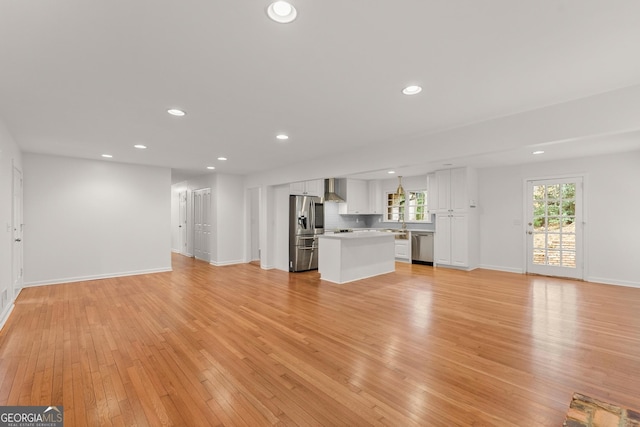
(333, 220)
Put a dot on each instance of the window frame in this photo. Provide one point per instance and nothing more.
(394, 211)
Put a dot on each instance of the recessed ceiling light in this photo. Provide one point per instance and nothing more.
(211, 167)
(282, 12)
(412, 90)
(222, 158)
(282, 137)
(140, 146)
(390, 172)
(107, 156)
(176, 112)
(538, 152)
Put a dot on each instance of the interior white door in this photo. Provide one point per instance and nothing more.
(17, 227)
(182, 222)
(554, 227)
(202, 224)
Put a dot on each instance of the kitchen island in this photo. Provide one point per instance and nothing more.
(345, 257)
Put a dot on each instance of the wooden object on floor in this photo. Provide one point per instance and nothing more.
(585, 411)
(238, 345)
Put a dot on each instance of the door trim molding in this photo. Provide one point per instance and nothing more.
(15, 290)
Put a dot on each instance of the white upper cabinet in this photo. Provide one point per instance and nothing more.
(459, 200)
(315, 187)
(452, 190)
(357, 200)
(442, 197)
(297, 188)
(307, 188)
(376, 201)
(432, 193)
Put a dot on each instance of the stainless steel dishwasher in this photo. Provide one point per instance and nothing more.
(422, 247)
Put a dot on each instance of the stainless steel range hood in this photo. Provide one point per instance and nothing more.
(331, 189)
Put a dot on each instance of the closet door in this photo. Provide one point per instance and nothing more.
(202, 224)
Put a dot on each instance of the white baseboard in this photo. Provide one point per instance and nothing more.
(607, 281)
(177, 251)
(501, 268)
(221, 264)
(453, 267)
(590, 279)
(5, 314)
(95, 277)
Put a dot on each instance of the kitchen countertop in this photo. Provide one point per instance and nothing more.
(381, 230)
(358, 235)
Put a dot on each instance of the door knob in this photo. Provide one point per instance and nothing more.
(18, 240)
(529, 232)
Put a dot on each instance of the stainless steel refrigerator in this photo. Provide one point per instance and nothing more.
(306, 222)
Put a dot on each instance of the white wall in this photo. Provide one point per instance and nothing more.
(267, 226)
(88, 219)
(612, 204)
(230, 220)
(9, 156)
(280, 227)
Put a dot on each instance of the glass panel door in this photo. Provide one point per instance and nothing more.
(554, 227)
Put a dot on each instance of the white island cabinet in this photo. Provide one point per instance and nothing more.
(345, 257)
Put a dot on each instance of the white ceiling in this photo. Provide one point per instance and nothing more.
(82, 78)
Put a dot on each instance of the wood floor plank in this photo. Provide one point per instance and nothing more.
(242, 346)
(149, 399)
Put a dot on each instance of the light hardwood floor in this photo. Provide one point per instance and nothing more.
(238, 345)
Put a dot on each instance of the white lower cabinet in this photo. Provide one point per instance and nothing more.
(402, 249)
(452, 240)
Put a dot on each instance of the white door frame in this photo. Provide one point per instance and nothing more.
(17, 227)
(182, 221)
(253, 241)
(581, 244)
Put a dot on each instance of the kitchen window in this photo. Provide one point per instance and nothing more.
(413, 205)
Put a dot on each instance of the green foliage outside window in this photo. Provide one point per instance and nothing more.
(412, 207)
(554, 205)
